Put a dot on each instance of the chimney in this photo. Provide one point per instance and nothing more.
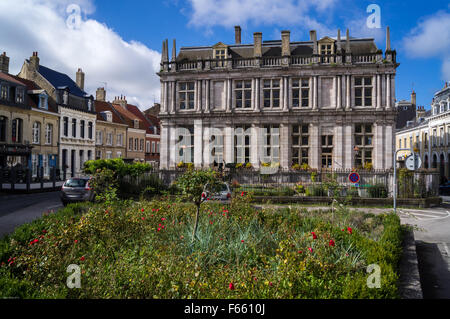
(34, 61)
(257, 46)
(413, 98)
(80, 79)
(313, 38)
(100, 95)
(420, 113)
(122, 101)
(388, 39)
(4, 63)
(285, 43)
(237, 34)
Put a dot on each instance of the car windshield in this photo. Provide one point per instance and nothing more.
(76, 182)
(220, 188)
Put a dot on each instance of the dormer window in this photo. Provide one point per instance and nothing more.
(89, 105)
(108, 116)
(43, 101)
(20, 95)
(4, 92)
(136, 124)
(220, 54)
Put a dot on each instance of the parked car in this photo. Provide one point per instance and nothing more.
(76, 189)
(444, 189)
(221, 193)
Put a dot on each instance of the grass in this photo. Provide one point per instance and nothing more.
(144, 250)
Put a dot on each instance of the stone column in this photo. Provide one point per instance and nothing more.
(339, 93)
(378, 155)
(199, 96)
(229, 144)
(334, 95)
(207, 147)
(252, 102)
(392, 100)
(378, 104)
(163, 97)
(229, 94)
(254, 146)
(348, 146)
(198, 143)
(257, 95)
(348, 95)
(207, 96)
(315, 146)
(173, 97)
(285, 94)
(285, 143)
(315, 93)
(389, 156)
(338, 150)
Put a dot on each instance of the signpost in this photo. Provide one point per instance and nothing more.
(354, 178)
(413, 162)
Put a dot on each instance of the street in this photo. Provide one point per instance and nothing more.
(16, 210)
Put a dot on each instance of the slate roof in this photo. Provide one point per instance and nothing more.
(59, 80)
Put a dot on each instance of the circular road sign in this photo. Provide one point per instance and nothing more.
(413, 162)
(353, 177)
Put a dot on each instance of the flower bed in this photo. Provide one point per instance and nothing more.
(145, 250)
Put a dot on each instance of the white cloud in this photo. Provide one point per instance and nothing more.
(227, 13)
(431, 38)
(40, 25)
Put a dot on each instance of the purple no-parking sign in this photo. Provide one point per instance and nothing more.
(353, 177)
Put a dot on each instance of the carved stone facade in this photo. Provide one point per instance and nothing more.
(328, 103)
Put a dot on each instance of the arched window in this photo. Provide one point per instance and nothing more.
(434, 161)
(426, 162)
(48, 134)
(3, 127)
(36, 132)
(17, 130)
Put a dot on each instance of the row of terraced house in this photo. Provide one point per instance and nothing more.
(48, 121)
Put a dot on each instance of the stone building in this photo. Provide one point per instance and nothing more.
(111, 132)
(328, 103)
(28, 124)
(76, 111)
(429, 134)
(136, 131)
(406, 111)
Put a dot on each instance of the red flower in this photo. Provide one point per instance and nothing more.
(143, 218)
(350, 230)
(163, 219)
(242, 241)
(44, 231)
(221, 238)
(314, 235)
(270, 284)
(210, 222)
(168, 206)
(159, 229)
(76, 241)
(142, 210)
(310, 249)
(82, 258)
(331, 243)
(231, 286)
(300, 252)
(153, 209)
(242, 194)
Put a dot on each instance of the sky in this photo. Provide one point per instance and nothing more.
(118, 43)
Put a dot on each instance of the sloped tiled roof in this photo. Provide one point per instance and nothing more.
(58, 80)
(128, 116)
(135, 110)
(101, 106)
(10, 78)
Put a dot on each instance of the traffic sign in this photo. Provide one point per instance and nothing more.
(413, 162)
(354, 178)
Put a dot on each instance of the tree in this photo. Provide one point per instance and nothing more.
(192, 185)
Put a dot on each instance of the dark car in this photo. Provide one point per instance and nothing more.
(444, 189)
(221, 193)
(76, 189)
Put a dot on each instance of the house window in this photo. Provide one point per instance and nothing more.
(326, 49)
(271, 144)
(157, 147)
(130, 144)
(425, 140)
(441, 136)
(327, 151)
(242, 144)
(300, 93)
(20, 95)
(217, 148)
(45, 165)
(220, 56)
(3, 128)
(82, 128)
(186, 145)
(81, 159)
(99, 138)
(243, 94)
(48, 134)
(363, 91)
(147, 147)
(34, 164)
(153, 147)
(108, 155)
(186, 95)
(17, 130)
(119, 139)
(90, 130)
(300, 144)
(364, 144)
(66, 126)
(119, 154)
(98, 154)
(271, 93)
(74, 127)
(141, 145)
(4, 92)
(434, 137)
(136, 144)
(109, 139)
(400, 143)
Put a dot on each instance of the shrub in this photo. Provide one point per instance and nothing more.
(378, 191)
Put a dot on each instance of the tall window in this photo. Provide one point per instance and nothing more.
(48, 134)
(119, 140)
(20, 95)
(271, 93)
(153, 147)
(74, 127)
(3, 128)
(90, 130)
(147, 147)
(434, 137)
(109, 139)
(186, 95)
(185, 145)
(130, 144)
(81, 159)
(157, 147)
(300, 144)
(271, 144)
(326, 50)
(99, 138)
(66, 126)
(425, 140)
(363, 91)
(4, 92)
(242, 144)
(364, 144)
(136, 144)
(327, 151)
(82, 127)
(441, 136)
(220, 55)
(217, 148)
(17, 130)
(141, 145)
(243, 94)
(300, 93)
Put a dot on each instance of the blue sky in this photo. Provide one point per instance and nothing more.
(124, 38)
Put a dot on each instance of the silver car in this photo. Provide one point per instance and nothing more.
(76, 189)
(222, 193)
